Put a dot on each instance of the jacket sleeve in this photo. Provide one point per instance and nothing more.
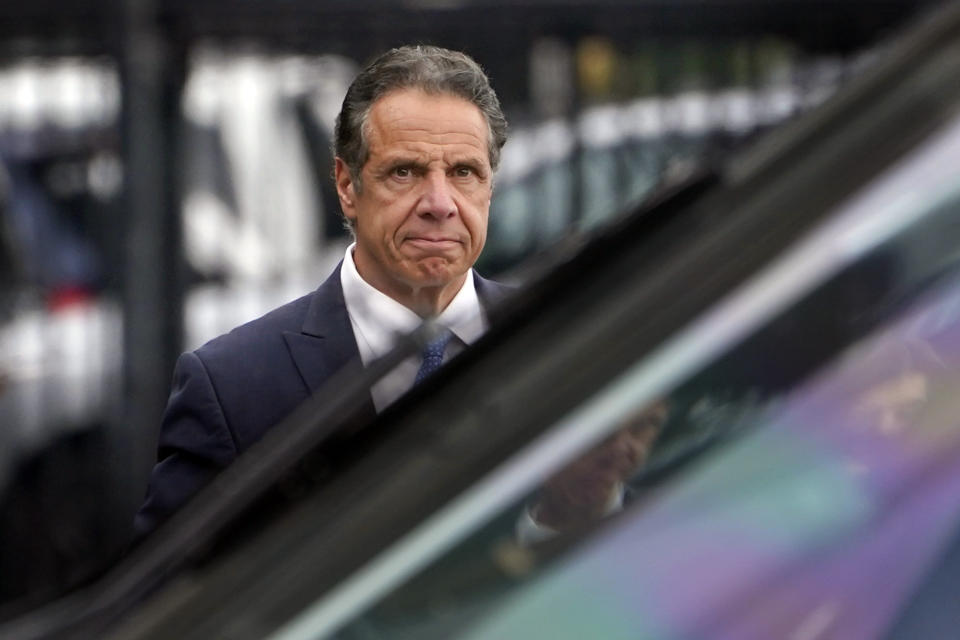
(195, 444)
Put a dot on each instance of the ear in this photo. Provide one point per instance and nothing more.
(345, 189)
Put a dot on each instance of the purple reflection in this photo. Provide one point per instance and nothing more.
(818, 525)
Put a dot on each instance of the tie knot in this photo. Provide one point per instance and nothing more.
(436, 347)
(432, 355)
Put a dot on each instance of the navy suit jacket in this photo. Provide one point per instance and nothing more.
(230, 391)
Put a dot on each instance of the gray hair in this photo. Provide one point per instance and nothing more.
(435, 71)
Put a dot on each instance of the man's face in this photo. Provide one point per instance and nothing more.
(420, 214)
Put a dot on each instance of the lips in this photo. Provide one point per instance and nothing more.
(433, 242)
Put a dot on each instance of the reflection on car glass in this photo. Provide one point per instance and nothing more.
(529, 535)
(747, 433)
(830, 512)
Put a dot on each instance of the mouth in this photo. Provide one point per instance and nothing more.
(433, 243)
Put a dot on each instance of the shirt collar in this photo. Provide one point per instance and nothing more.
(378, 319)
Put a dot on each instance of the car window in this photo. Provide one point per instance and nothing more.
(829, 510)
(785, 471)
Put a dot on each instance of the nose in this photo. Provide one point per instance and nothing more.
(436, 200)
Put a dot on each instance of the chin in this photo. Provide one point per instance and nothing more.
(438, 273)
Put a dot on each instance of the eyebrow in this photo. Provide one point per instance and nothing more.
(399, 160)
(472, 161)
(418, 161)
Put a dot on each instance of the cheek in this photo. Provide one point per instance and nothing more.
(476, 222)
(387, 219)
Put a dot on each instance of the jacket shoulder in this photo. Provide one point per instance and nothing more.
(251, 374)
(263, 332)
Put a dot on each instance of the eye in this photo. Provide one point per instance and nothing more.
(464, 171)
(402, 172)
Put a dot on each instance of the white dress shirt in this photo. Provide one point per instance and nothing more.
(378, 320)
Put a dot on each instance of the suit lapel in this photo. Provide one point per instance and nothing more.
(325, 344)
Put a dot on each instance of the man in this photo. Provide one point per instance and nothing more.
(417, 143)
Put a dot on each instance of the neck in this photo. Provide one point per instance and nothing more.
(429, 302)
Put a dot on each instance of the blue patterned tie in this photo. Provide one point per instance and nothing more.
(432, 356)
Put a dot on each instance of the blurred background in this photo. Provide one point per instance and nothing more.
(165, 175)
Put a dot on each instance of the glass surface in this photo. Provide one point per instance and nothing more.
(799, 485)
(818, 523)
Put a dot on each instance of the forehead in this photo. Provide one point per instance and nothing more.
(414, 120)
